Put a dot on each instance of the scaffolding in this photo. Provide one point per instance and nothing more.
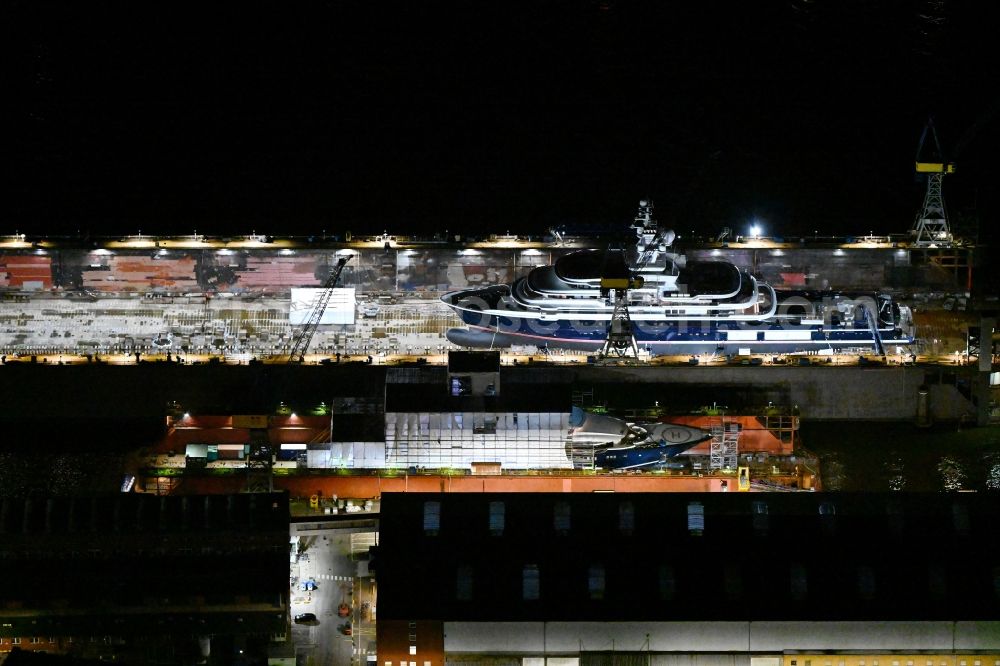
(581, 456)
(725, 444)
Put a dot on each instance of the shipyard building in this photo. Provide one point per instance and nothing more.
(728, 579)
(142, 579)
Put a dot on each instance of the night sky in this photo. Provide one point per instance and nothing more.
(294, 118)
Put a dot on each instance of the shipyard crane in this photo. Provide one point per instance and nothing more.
(931, 226)
(260, 458)
(305, 335)
(616, 280)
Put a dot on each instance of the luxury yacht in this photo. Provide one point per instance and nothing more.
(675, 307)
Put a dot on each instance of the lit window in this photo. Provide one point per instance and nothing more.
(413, 649)
(35, 640)
(696, 518)
(496, 518)
(16, 640)
(432, 518)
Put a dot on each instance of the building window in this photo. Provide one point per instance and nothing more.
(496, 518)
(35, 640)
(530, 583)
(799, 582)
(413, 649)
(595, 581)
(52, 639)
(432, 518)
(696, 518)
(866, 582)
(626, 518)
(463, 583)
(666, 582)
(16, 640)
(561, 517)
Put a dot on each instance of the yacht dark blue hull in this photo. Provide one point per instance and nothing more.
(669, 338)
(640, 456)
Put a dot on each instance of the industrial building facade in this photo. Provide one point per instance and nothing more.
(143, 579)
(789, 579)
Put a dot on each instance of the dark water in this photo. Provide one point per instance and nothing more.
(878, 457)
(61, 473)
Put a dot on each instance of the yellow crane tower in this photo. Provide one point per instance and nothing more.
(931, 227)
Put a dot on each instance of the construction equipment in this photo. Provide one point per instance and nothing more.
(300, 344)
(616, 280)
(931, 227)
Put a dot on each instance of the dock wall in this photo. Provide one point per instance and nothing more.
(97, 395)
(818, 392)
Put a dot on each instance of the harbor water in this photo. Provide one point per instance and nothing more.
(880, 456)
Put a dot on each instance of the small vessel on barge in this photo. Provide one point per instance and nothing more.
(619, 445)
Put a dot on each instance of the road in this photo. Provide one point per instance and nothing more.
(326, 558)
